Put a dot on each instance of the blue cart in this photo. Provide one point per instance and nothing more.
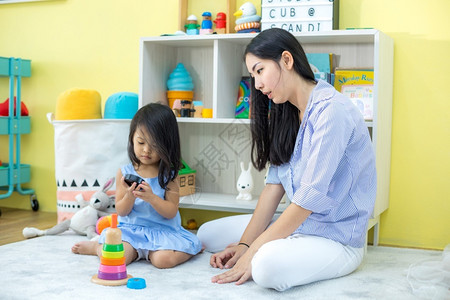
(13, 173)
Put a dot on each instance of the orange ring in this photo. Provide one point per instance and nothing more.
(248, 25)
(112, 261)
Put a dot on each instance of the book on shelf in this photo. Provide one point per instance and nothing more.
(357, 84)
(328, 77)
(322, 65)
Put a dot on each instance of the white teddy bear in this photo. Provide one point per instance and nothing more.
(83, 222)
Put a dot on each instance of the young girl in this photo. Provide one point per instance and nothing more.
(320, 155)
(148, 212)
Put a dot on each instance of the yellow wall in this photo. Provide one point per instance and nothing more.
(95, 44)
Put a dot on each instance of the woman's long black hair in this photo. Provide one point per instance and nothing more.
(161, 124)
(274, 127)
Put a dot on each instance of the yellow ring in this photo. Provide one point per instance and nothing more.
(109, 254)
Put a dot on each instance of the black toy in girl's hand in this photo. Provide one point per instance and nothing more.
(130, 178)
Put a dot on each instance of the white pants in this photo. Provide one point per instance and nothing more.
(284, 263)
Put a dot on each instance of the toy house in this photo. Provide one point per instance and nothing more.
(187, 180)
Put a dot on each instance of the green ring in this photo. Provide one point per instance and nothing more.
(113, 248)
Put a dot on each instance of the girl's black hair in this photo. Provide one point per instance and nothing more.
(160, 123)
(274, 127)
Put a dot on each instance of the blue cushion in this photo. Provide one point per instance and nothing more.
(122, 105)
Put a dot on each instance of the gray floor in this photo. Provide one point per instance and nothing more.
(45, 268)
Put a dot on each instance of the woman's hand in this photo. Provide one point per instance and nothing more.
(228, 257)
(242, 269)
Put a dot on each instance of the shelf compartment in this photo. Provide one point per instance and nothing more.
(24, 123)
(24, 174)
(159, 57)
(19, 67)
(221, 202)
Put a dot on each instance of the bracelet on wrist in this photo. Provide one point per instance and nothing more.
(244, 244)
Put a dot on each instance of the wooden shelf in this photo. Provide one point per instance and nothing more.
(221, 202)
(216, 146)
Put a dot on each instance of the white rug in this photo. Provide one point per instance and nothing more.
(45, 268)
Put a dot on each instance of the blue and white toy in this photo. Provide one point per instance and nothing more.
(248, 20)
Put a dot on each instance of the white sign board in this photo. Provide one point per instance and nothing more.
(300, 15)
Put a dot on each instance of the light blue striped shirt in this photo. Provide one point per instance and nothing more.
(332, 169)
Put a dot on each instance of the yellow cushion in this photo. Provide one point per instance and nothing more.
(76, 104)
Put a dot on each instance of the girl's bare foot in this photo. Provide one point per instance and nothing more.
(85, 247)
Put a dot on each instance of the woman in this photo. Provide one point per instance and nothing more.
(320, 155)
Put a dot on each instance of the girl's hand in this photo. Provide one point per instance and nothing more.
(241, 271)
(128, 190)
(143, 191)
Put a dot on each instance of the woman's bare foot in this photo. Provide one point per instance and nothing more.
(85, 247)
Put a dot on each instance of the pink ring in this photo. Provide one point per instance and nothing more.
(112, 269)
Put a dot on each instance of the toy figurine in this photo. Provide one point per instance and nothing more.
(206, 23)
(221, 22)
(186, 108)
(249, 21)
(244, 184)
(192, 25)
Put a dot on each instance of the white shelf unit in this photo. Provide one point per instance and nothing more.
(216, 65)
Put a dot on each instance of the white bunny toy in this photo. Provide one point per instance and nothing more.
(84, 220)
(244, 184)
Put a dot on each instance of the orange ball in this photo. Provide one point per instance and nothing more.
(191, 224)
(103, 223)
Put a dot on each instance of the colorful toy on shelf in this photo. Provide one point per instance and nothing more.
(84, 220)
(179, 85)
(206, 23)
(122, 105)
(207, 113)
(243, 100)
(187, 180)
(244, 184)
(176, 107)
(249, 21)
(4, 108)
(192, 25)
(198, 108)
(187, 109)
(221, 22)
(112, 270)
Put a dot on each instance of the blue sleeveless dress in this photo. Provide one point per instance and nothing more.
(145, 228)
